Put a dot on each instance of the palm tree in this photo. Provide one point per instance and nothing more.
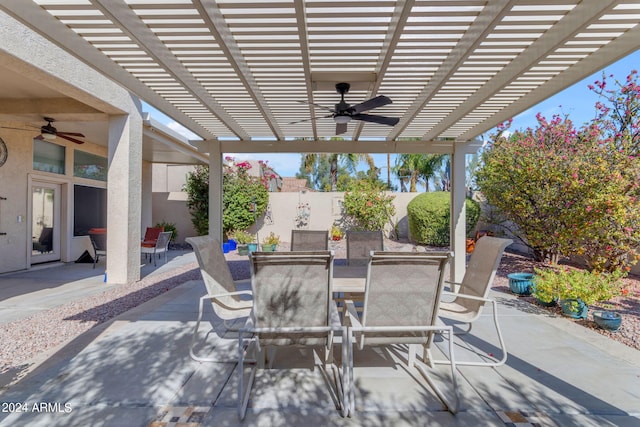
(417, 169)
(349, 160)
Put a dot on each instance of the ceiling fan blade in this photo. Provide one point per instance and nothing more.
(341, 128)
(68, 138)
(317, 105)
(311, 119)
(70, 134)
(389, 121)
(370, 104)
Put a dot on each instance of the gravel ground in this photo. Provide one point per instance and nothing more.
(29, 339)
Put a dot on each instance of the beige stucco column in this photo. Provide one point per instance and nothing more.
(124, 198)
(215, 190)
(146, 213)
(458, 213)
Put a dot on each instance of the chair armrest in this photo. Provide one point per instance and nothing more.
(227, 294)
(471, 297)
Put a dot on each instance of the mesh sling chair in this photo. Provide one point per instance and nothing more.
(292, 307)
(150, 237)
(466, 304)
(221, 290)
(161, 246)
(401, 298)
(309, 240)
(360, 244)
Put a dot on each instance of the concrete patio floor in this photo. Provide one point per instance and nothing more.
(135, 371)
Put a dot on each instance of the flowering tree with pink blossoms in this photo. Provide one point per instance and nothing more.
(568, 191)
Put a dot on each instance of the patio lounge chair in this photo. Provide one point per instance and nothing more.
(292, 307)
(98, 237)
(309, 240)
(466, 304)
(221, 289)
(360, 244)
(400, 307)
(161, 246)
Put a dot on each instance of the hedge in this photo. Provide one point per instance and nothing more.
(429, 217)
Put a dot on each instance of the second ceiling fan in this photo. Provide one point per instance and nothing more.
(343, 112)
(49, 132)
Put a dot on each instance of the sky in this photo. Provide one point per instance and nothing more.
(578, 101)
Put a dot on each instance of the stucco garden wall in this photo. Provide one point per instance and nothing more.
(284, 214)
(171, 207)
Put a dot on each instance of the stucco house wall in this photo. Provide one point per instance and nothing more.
(15, 178)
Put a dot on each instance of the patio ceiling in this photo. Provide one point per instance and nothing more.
(244, 70)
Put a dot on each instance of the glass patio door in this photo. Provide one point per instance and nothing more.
(45, 222)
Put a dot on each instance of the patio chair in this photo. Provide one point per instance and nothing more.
(466, 304)
(401, 307)
(221, 290)
(161, 246)
(361, 243)
(309, 240)
(45, 241)
(150, 237)
(292, 307)
(98, 239)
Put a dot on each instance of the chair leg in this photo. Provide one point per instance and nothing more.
(346, 410)
(451, 407)
(243, 395)
(194, 337)
(503, 347)
(352, 392)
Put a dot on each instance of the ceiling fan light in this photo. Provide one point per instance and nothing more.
(342, 119)
(49, 136)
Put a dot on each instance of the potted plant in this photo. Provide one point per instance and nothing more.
(270, 243)
(242, 239)
(520, 283)
(336, 233)
(609, 320)
(577, 289)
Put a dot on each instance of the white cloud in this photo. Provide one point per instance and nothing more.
(178, 128)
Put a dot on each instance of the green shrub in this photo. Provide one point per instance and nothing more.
(429, 217)
(567, 191)
(367, 206)
(240, 191)
(197, 188)
(569, 283)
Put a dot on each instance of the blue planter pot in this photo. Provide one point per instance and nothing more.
(232, 244)
(253, 247)
(521, 283)
(574, 308)
(225, 248)
(607, 320)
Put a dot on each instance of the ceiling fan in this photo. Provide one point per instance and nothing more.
(49, 133)
(343, 113)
